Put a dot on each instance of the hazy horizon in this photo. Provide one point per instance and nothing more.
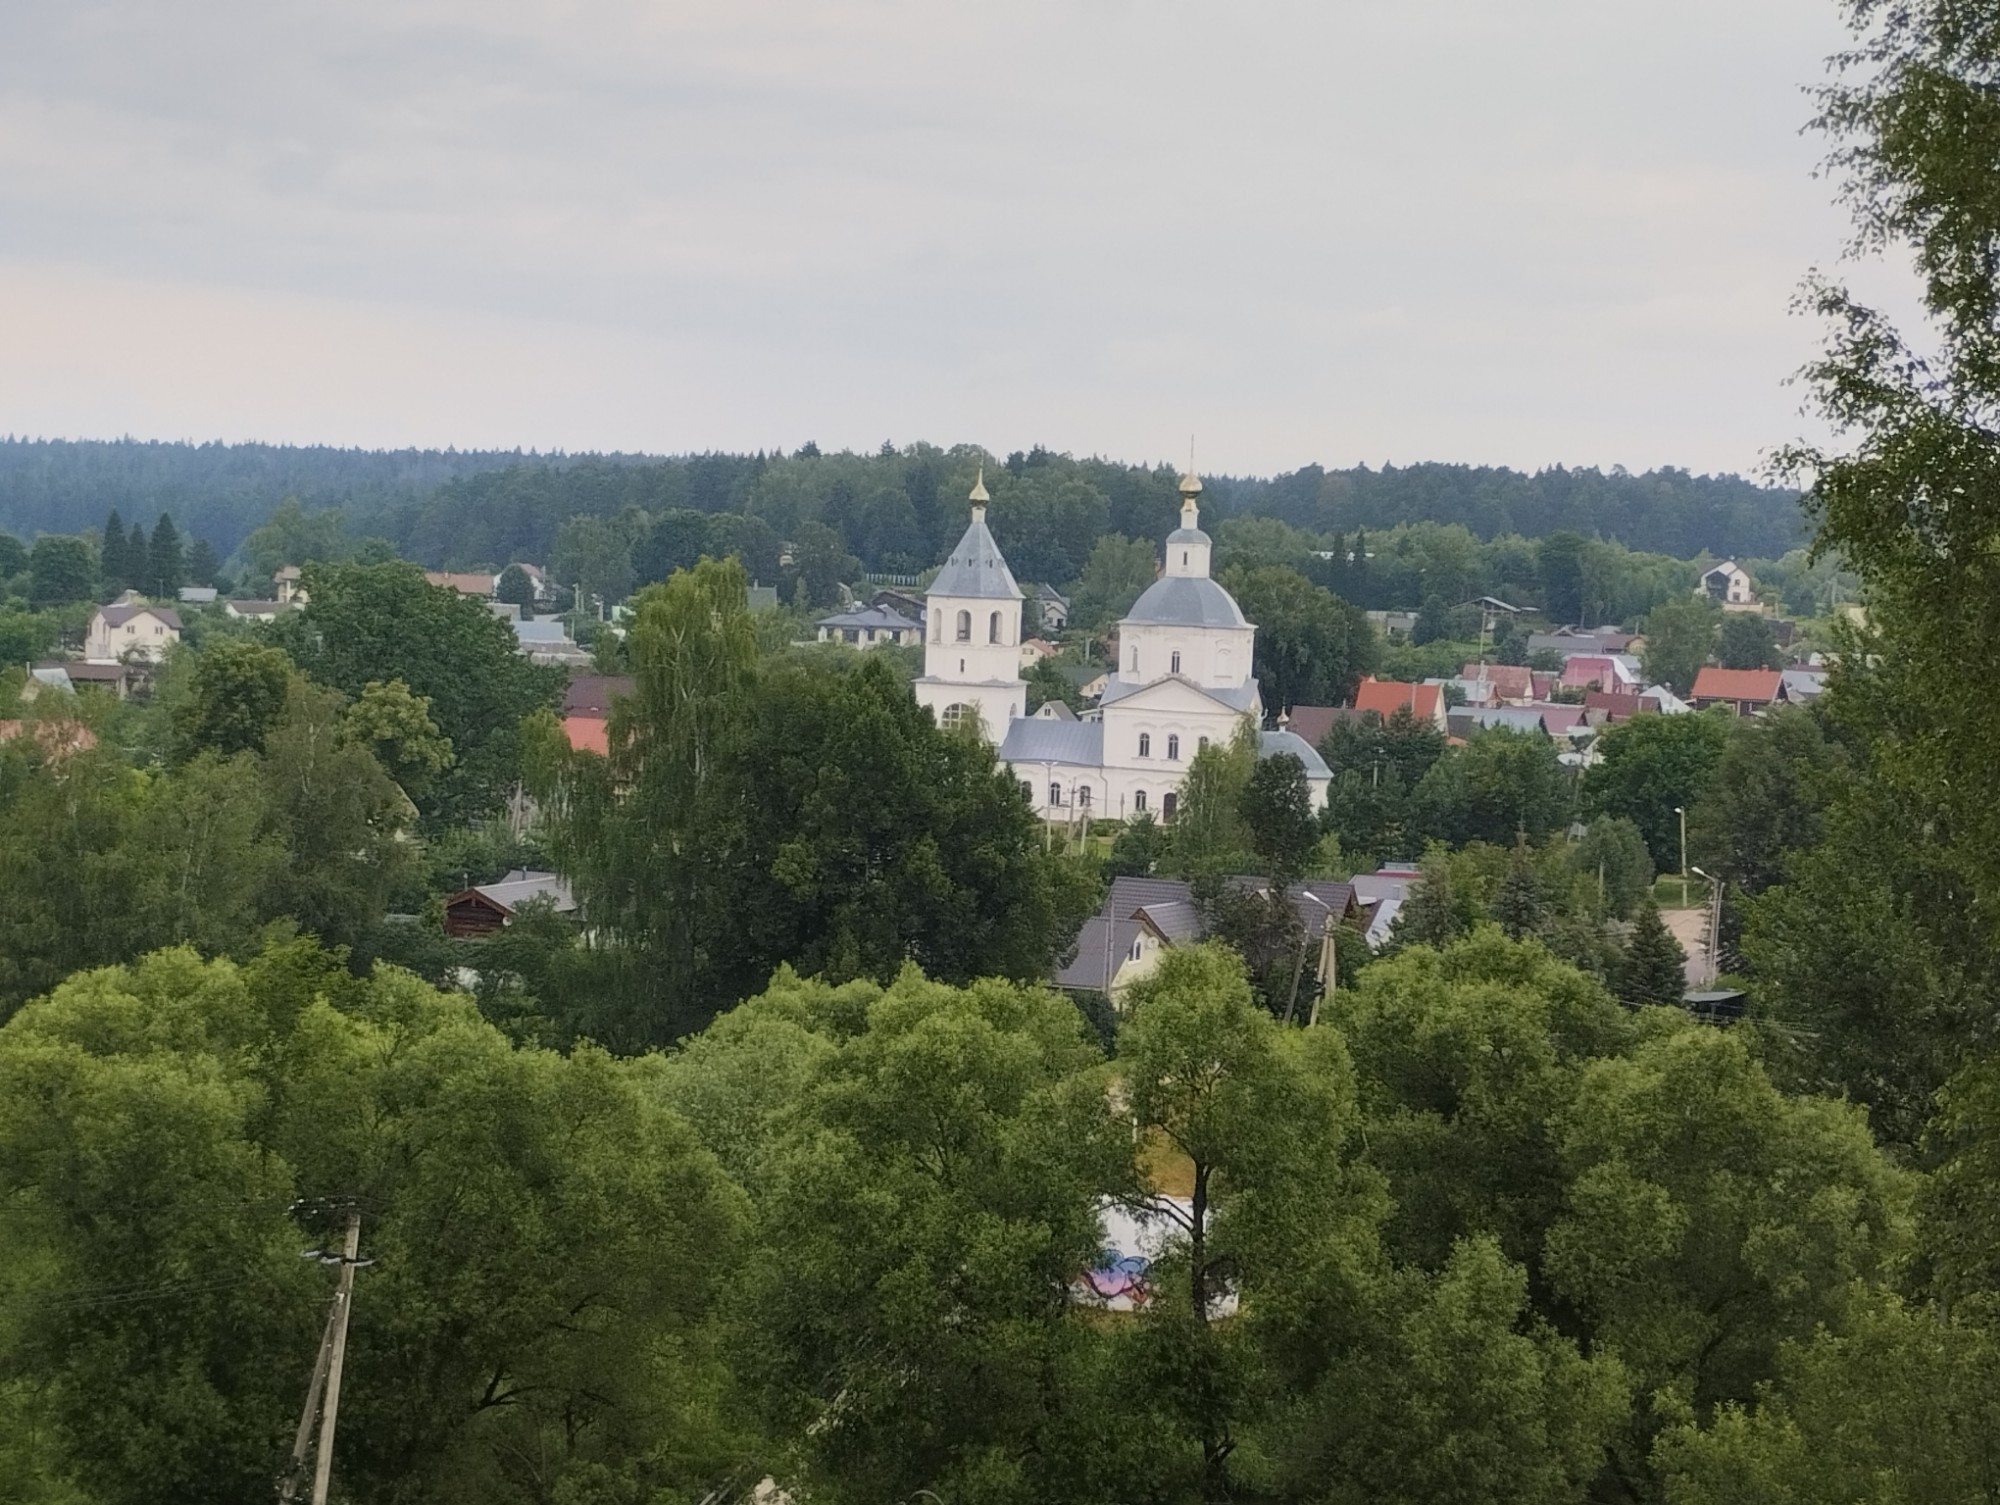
(1335, 234)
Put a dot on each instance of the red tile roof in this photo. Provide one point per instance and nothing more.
(465, 582)
(588, 734)
(1737, 684)
(1385, 696)
(1508, 680)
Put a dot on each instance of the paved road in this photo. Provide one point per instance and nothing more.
(1690, 928)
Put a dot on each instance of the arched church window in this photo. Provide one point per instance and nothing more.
(1083, 794)
(965, 627)
(1200, 744)
(958, 714)
(1145, 744)
(1138, 799)
(993, 628)
(1174, 663)
(1184, 558)
(1169, 802)
(1173, 748)
(1135, 659)
(1055, 794)
(937, 627)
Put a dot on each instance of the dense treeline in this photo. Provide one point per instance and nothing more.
(1664, 511)
(896, 510)
(218, 491)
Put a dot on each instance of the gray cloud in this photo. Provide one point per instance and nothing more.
(1544, 231)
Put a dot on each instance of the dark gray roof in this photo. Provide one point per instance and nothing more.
(1237, 697)
(1185, 601)
(1177, 921)
(880, 617)
(1168, 904)
(1291, 742)
(976, 567)
(1029, 740)
(118, 616)
(1101, 947)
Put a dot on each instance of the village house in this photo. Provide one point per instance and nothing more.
(130, 629)
(870, 627)
(1054, 608)
(465, 582)
(486, 908)
(1386, 696)
(1729, 586)
(1747, 692)
(1143, 918)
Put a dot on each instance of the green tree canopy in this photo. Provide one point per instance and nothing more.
(543, 1230)
(60, 570)
(1651, 766)
(1747, 641)
(1680, 637)
(373, 623)
(1312, 647)
(1500, 783)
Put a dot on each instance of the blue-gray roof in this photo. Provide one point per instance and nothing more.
(976, 567)
(1237, 697)
(1185, 601)
(1269, 743)
(1188, 535)
(1029, 740)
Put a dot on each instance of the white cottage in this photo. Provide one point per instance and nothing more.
(1183, 680)
(130, 629)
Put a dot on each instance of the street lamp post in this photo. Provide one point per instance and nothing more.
(1681, 811)
(1714, 925)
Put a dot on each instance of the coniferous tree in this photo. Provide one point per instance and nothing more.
(137, 558)
(1429, 916)
(111, 553)
(1655, 969)
(166, 569)
(202, 563)
(1518, 904)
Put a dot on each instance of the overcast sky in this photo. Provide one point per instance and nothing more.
(1512, 231)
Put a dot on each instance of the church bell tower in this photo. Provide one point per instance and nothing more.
(972, 634)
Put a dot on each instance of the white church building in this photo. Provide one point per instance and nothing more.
(1183, 680)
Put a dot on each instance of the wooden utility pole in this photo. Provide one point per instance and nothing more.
(289, 1487)
(343, 1302)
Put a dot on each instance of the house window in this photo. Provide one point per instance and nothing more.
(1173, 750)
(1055, 794)
(1134, 953)
(993, 628)
(1169, 802)
(965, 627)
(1145, 744)
(1138, 799)
(1174, 663)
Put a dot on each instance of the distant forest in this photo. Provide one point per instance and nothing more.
(894, 509)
